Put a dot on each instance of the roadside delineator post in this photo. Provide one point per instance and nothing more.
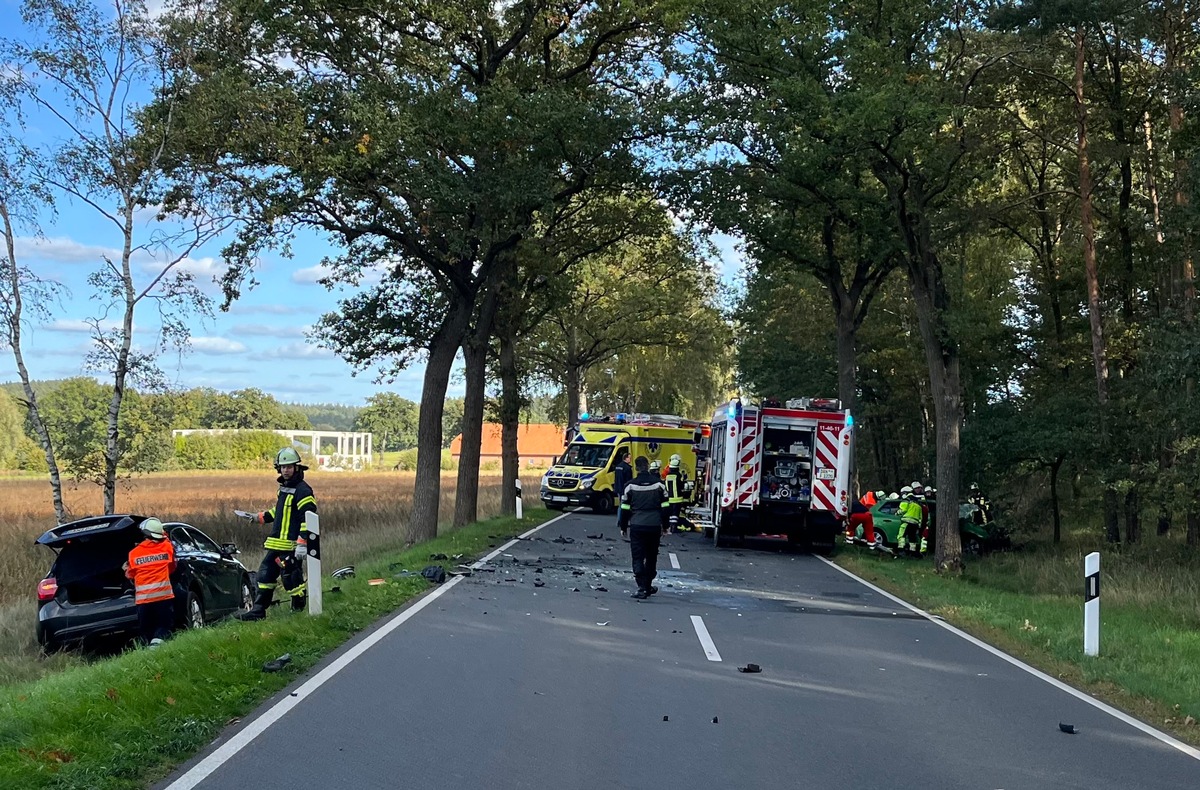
(1091, 604)
(520, 512)
(313, 522)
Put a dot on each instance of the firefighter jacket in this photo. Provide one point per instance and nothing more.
(151, 564)
(985, 508)
(295, 500)
(622, 474)
(644, 505)
(674, 482)
(869, 499)
(911, 512)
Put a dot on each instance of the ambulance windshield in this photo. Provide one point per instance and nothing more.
(589, 456)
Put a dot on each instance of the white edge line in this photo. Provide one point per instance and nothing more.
(674, 560)
(1175, 743)
(206, 767)
(706, 642)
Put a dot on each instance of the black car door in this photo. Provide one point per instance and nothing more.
(222, 576)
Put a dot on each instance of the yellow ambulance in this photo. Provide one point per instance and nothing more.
(583, 476)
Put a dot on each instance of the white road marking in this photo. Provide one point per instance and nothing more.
(674, 560)
(1037, 673)
(706, 642)
(206, 767)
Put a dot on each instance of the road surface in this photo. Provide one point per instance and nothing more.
(539, 671)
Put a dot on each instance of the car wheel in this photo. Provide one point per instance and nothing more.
(193, 611)
(972, 546)
(604, 503)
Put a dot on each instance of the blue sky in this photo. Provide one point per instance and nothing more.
(261, 342)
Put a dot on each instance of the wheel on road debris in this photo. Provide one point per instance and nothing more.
(603, 503)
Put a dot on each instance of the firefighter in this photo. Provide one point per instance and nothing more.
(287, 544)
(911, 516)
(984, 514)
(676, 481)
(622, 474)
(870, 499)
(656, 468)
(644, 520)
(150, 566)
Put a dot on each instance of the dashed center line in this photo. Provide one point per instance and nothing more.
(706, 642)
(674, 560)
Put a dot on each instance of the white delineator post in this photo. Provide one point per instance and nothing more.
(1091, 604)
(313, 522)
(520, 512)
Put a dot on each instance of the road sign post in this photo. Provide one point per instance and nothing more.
(520, 512)
(313, 522)
(1091, 604)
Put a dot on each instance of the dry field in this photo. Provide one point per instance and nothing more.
(361, 514)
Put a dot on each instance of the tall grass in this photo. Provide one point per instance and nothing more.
(362, 515)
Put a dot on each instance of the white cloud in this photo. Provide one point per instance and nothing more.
(263, 330)
(61, 249)
(310, 274)
(216, 345)
(79, 325)
(241, 308)
(203, 269)
(295, 351)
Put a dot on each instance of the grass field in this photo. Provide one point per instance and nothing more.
(362, 514)
(1030, 604)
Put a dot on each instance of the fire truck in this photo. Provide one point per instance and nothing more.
(780, 469)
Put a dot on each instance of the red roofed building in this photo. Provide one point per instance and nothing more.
(538, 444)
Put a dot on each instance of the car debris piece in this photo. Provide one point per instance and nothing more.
(574, 589)
(434, 573)
(376, 582)
(276, 664)
(606, 622)
(561, 539)
(596, 537)
(335, 588)
(1069, 729)
(459, 572)
(438, 556)
(750, 668)
(715, 720)
(539, 584)
(601, 589)
(343, 573)
(665, 718)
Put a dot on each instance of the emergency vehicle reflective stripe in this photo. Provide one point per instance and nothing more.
(153, 591)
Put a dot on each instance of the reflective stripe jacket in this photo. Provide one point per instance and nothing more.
(150, 566)
(674, 482)
(911, 512)
(644, 504)
(295, 499)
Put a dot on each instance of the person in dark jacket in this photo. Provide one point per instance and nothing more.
(287, 544)
(622, 474)
(645, 509)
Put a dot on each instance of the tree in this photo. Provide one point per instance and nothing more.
(251, 409)
(392, 419)
(80, 73)
(425, 138)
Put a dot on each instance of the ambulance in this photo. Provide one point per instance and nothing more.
(583, 476)
(780, 469)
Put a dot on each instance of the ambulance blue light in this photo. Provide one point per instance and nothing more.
(732, 409)
(849, 421)
(583, 416)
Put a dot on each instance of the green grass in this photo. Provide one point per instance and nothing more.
(1030, 604)
(125, 722)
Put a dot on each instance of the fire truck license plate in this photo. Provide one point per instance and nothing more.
(826, 474)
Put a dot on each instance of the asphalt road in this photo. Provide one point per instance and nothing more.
(520, 678)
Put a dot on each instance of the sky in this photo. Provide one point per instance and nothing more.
(263, 341)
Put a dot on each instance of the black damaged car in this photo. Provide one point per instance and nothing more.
(86, 594)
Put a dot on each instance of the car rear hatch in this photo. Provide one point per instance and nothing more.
(90, 555)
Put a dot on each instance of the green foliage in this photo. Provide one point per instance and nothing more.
(391, 419)
(203, 451)
(452, 417)
(329, 416)
(12, 431)
(250, 408)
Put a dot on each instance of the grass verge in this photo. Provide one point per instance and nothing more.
(125, 722)
(1148, 653)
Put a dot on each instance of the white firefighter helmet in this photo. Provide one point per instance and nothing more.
(906, 491)
(880, 495)
(675, 461)
(892, 497)
(655, 465)
(153, 528)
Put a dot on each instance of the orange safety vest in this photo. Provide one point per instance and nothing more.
(150, 565)
(869, 499)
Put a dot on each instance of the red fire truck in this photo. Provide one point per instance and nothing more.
(780, 469)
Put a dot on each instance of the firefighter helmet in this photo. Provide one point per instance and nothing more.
(675, 461)
(892, 497)
(915, 485)
(906, 491)
(880, 495)
(286, 456)
(974, 486)
(655, 465)
(153, 528)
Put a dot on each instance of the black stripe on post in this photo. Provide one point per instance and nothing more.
(1091, 589)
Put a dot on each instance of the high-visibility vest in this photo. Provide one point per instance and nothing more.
(150, 566)
(674, 481)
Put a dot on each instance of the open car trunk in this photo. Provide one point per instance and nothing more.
(88, 568)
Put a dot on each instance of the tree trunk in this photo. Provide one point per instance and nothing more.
(574, 383)
(510, 420)
(15, 317)
(1125, 196)
(112, 443)
(1133, 517)
(1164, 523)
(1193, 527)
(1112, 524)
(847, 356)
(466, 499)
(1099, 350)
(1055, 505)
(427, 488)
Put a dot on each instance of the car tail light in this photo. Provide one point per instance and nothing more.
(47, 588)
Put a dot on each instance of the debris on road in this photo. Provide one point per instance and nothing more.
(715, 720)
(665, 718)
(377, 582)
(1069, 729)
(561, 539)
(343, 573)
(606, 622)
(276, 664)
(596, 537)
(438, 556)
(751, 668)
(539, 583)
(434, 573)
(574, 589)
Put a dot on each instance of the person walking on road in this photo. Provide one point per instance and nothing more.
(149, 567)
(644, 509)
(622, 474)
(287, 544)
(675, 481)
